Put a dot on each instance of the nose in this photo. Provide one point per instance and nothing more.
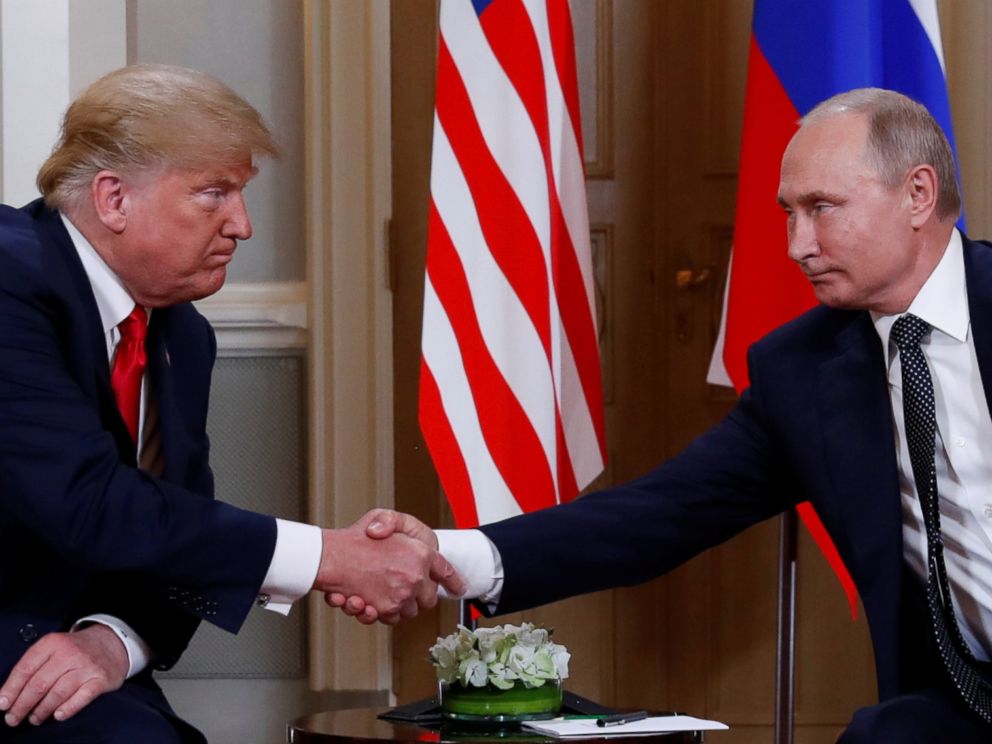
(802, 238)
(237, 225)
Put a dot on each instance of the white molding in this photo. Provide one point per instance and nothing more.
(50, 50)
(259, 318)
(348, 163)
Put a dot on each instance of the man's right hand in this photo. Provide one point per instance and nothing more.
(387, 563)
(63, 673)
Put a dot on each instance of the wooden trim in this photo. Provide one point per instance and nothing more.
(602, 244)
(602, 165)
(966, 29)
(348, 183)
(724, 83)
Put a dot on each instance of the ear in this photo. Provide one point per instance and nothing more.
(108, 192)
(922, 186)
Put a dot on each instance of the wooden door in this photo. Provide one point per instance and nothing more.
(721, 652)
(663, 94)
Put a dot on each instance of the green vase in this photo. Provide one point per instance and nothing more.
(489, 703)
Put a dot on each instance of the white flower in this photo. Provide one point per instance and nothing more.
(500, 656)
(490, 642)
(448, 652)
(502, 677)
(472, 671)
(532, 637)
(521, 659)
(560, 657)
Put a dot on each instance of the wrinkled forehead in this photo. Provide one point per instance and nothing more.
(236, 173)
(233, 174)
(830, 135)
(203, 155)
(826, 157)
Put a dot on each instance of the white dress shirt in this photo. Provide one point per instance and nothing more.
(964, 470)
(298, 546)
(963, 452)
(478, 561)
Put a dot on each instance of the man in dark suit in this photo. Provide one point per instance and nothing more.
(837, 413)
(112, 548)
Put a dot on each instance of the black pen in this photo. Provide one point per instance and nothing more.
(618, 719)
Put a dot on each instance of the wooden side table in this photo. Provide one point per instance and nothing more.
(360, 726)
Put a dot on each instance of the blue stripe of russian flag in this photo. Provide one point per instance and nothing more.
(818, 49)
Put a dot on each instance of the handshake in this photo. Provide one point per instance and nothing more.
(384, 567)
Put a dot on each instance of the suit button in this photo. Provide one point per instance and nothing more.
(28, 633)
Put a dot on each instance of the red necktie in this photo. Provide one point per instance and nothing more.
(129, 366)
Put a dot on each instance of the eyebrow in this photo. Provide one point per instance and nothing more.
(809, 197)
(225, 182)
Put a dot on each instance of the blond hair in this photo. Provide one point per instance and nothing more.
(901, 135)
(143, 117)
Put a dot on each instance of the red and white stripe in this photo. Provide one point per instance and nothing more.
(510, 390)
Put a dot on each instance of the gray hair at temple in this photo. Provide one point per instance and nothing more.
(143, 118)
(901, 135)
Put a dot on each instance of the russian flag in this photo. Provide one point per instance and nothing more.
(801, 54)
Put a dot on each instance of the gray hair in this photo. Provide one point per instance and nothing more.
(901, 135)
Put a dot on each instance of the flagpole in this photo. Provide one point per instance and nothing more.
(465, 614)
(785, 672)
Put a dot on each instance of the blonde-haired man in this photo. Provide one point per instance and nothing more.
(112, 548)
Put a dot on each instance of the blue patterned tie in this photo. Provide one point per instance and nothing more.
(921, 430)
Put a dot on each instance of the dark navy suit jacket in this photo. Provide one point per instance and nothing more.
(816, 424)
(81, 529)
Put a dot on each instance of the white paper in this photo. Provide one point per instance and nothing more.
(569, 728)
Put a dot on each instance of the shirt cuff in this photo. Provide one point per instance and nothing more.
(478, 561)
(138, 652)
(294, 565)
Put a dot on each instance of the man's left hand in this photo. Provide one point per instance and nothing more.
(63, 673)
(391, 575)
(381, 524)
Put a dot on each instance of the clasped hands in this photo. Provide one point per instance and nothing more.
(384, 567)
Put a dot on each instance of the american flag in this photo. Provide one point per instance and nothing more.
(510, 389)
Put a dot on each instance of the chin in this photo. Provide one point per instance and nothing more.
(213, 283)
(194, 292)
(836, 300)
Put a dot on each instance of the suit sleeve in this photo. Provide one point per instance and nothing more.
(725, 481)
(164, 626)
(62, 480)
(165, 621)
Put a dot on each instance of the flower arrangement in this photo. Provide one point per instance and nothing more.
(500, 657)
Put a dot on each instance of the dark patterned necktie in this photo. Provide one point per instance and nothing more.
(921, 429)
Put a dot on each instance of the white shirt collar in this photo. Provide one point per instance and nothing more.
(942, 301)
(112, 300)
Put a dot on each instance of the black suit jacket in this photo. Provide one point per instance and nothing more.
(816, 424)
(81, 529)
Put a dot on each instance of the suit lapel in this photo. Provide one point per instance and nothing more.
(162, 380)
(858, 439)
(84, 315)
(978, 277)
(51, 225)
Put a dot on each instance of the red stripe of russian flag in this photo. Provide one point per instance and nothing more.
(761, 267)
